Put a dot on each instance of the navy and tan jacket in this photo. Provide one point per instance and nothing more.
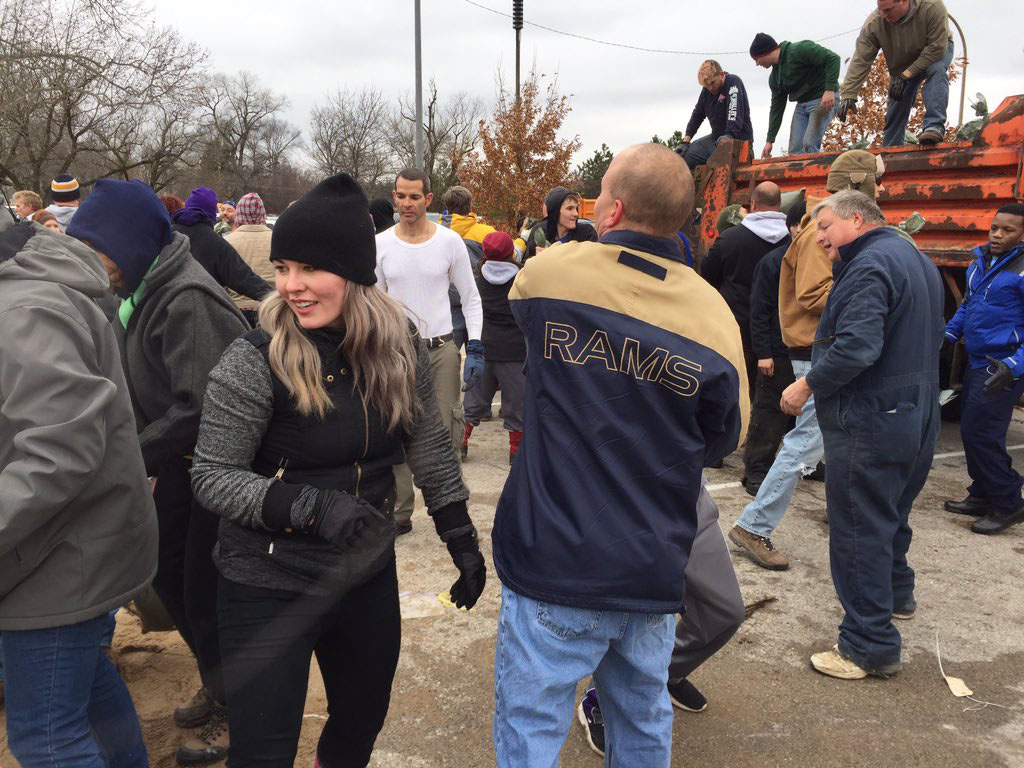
(633, 379)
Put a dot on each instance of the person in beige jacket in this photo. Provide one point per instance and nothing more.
(251, 238)
(805, 280)
(918, 47)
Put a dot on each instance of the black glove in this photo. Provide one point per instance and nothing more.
(846, 106)
(456, 530)
(896, 87)
(465, 552)
(1001, 376)
(680, 149)
(343, 519)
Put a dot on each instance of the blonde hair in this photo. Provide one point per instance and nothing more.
(378, 346)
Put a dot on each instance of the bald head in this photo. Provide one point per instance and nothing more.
(766, 197)
(647, 188)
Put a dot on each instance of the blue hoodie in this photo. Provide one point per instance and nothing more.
(125, 221)
(990, 319)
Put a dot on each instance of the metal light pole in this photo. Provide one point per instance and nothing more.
(517, 25)
(419, 92)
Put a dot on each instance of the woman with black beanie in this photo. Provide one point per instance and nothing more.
(303, 420)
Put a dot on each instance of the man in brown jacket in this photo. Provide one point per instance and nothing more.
(805, 280)
(914, 36)
(251, 238)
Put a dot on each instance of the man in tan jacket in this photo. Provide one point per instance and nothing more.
(805, 280)
(914, 36)
(251, 238)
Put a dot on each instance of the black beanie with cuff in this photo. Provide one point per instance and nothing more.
(763, 43)
(330, 228)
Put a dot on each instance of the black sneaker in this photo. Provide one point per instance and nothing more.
(905, 611)
(818, 475)
(589, 715)
(972, 506)
(685, 695)
(997, 522)
(403, 528)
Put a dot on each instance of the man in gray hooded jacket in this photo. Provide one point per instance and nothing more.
(78, 532)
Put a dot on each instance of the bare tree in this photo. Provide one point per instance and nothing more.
(451, 132)
(350, 133)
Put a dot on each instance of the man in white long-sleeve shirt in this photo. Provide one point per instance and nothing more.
(417, 261)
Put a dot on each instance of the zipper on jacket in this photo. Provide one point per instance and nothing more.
(366, 440)
(281, 467)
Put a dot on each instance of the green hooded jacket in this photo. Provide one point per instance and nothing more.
(804, 72)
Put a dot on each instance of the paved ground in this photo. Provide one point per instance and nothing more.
(768, 707)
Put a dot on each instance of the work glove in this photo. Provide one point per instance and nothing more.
(896, 87)
(681, 149)
(474, 367)
(1001, 377)
(457, 532)
(846, 106)
(346, 521)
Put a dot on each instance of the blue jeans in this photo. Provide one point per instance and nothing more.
(802, 449)
(66, 704)
(808, 127)
(700, 151)
(935, 96)
(544, 650)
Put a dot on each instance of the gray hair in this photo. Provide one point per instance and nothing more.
(846, 203)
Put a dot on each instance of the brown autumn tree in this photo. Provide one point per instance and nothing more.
(865, 128)
(521, 155)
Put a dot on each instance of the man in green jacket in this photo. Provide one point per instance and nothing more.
(914, 36)
(806, 73)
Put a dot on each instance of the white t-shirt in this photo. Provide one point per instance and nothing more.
(419, 275)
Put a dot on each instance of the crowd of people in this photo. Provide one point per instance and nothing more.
(236, 417)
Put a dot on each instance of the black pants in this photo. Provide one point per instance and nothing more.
(186, 578)
(268, 637)
(768, 424)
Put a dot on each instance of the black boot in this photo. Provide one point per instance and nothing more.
(997, 522)
(972, 505)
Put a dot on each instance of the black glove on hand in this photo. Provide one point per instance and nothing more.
(343, 519)
(1001, 376)
(680, 149)
(456, 530)
(465, 552)
(846, 106)
(896, 87)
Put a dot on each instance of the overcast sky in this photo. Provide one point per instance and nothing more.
(307, 48)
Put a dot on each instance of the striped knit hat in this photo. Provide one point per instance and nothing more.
(64, 189)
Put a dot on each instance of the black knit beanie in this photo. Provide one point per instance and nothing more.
(329, 228)
(763, 43)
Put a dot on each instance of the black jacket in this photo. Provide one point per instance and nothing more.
(728, 111)
(729, 267)
(222, 261)
(502, 339)
(765, 332)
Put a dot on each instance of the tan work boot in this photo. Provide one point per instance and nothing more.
(196, 711)
(834, 664)
(759, 549)
(210, 745)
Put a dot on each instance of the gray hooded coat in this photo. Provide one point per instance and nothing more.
(78, 531)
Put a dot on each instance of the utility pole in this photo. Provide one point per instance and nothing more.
(419, 91)
(517, 25)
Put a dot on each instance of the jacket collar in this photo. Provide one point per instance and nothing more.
(848, 252)
(665, 247)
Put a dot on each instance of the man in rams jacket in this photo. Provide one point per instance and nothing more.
(634, 372)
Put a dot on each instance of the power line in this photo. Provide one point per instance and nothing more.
(636, 47)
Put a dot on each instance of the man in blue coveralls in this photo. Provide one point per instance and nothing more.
(875, 379)
(991, 323)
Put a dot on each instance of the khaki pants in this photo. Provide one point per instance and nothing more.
(446, 364)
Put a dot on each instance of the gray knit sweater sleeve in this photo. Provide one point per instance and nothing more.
(238, 406)
(428, 446)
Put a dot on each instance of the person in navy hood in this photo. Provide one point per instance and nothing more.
(990, 321)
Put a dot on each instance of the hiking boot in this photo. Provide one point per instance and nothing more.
(759, 549)
(997, 522)
(196, 712)
(464, 449)
(972, 505)
(834, 664)
(589, 715)
(685, 695)
(210, 745)
(930, 137)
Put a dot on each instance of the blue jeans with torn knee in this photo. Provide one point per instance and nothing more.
(808, 127)
(802, 449)
(544, 650)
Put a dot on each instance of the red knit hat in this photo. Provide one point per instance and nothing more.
(498, 246)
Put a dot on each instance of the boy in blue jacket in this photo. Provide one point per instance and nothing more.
(991, 323)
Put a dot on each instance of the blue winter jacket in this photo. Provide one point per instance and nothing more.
(991, 318)
(634, 369)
